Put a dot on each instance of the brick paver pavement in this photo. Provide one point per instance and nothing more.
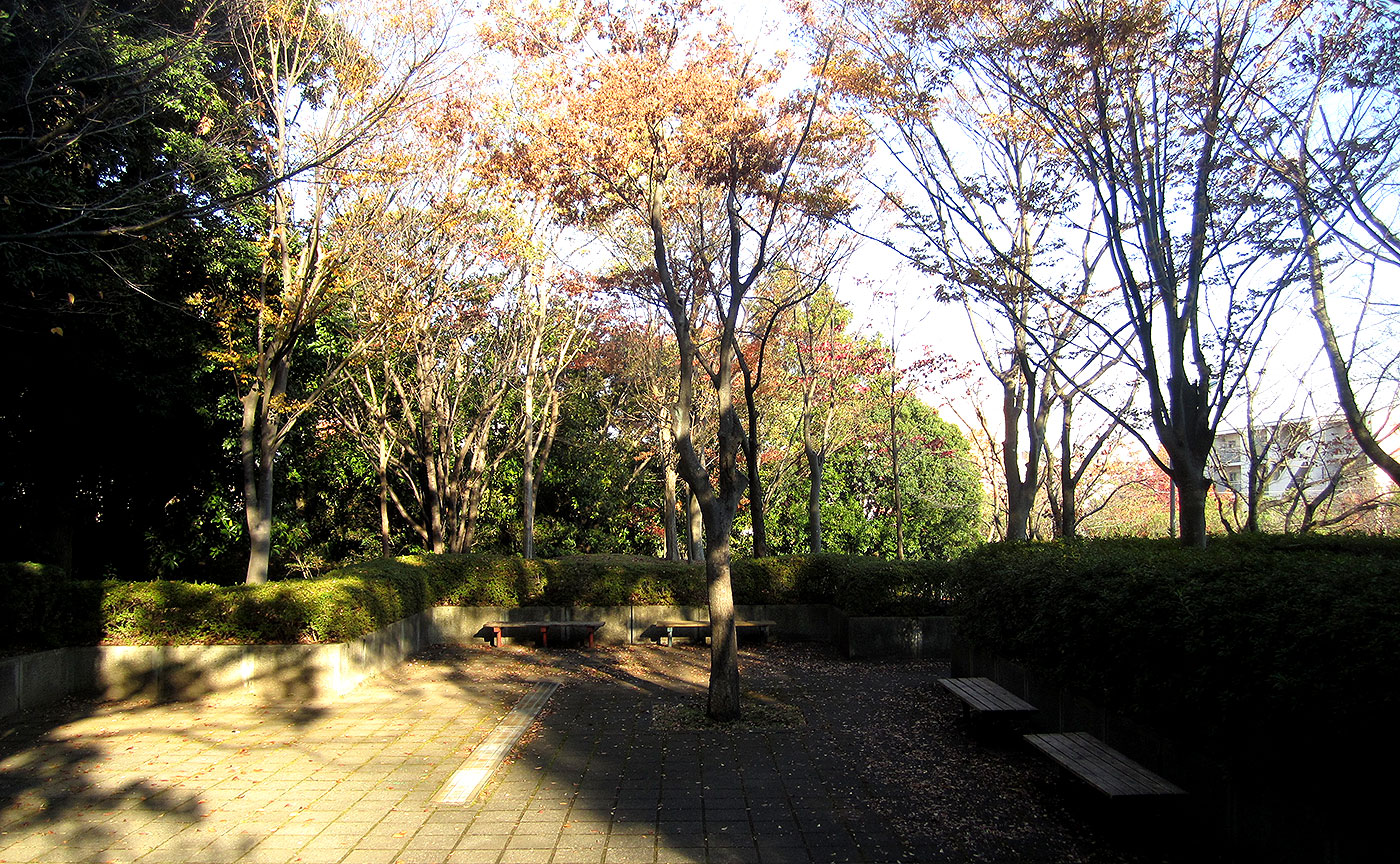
(596, 780)
(231, 779)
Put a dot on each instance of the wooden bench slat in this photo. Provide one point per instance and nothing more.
(986, 696)
(1101, 766)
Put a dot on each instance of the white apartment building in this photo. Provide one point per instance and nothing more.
(1306, 452)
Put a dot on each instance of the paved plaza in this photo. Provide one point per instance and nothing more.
(844, 762)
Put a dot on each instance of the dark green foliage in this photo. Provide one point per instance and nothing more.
(122, 125)
(45, 608)
(1236, 647)
(869, 586)
(940, 488)
(590, 500)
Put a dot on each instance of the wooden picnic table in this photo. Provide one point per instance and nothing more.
(702, 628)
(498, 628)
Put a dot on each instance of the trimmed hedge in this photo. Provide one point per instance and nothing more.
(1256, 645)
(359, 599)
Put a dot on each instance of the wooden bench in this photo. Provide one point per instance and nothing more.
(701, 629)
(986, 697)
(1104, 768)
(498, 628)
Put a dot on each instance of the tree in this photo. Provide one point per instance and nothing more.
(119, 117)
(556, 323)
(1330, 140)
(990, 211)
(941, 491)
(673, 125)
(832, 370)
(425, 398)
(120, 121)
(1136, 96)
(353, 71)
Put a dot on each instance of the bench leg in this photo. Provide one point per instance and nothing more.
(544, 637)
(670, 637)
(496, 643)
(590, 638)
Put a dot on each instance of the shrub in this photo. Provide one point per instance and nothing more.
(361, 598)
(1251, 640)
(46, 609)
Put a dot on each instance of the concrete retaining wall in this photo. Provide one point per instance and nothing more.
(910, 638)
(311, 672)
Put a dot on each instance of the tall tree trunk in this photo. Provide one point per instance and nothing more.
(527, 505)
(894, 474)
(1069, 481)
(668, 503)
(1018, 385)
(694, 527)
(259, 453)
(724, 641)
(1341, 378)
(475, 483)
(758, 510)
(382, 469)
(815, 463)
(258, 440)
(527, 459)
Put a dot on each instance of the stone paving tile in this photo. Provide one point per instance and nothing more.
(231, 779)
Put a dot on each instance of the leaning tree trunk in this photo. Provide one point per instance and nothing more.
(1341, 377)
(694, 529)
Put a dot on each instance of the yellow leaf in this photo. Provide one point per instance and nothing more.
(57, 331)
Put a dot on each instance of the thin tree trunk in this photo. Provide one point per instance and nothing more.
(815, 464)
(894, 473)
(694, 527)
(758, 511)
(668, 504)
(382, 468)
(1069, 517)
(476, 474)
(527, 505)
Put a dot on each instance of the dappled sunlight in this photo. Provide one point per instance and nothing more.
(836, 761)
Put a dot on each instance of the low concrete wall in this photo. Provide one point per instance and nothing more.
(177, 672)
(311, 672)
(910, 638)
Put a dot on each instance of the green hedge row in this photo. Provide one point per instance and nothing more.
(1293, 636)
(52, 611)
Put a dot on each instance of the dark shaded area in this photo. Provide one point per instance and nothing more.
(1267, 662)
(879, 770)
(882, 770)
